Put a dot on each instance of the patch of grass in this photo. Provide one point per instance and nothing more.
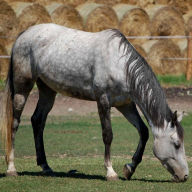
(149, 176)
(2, 85)
(76, 143)
(174, 80)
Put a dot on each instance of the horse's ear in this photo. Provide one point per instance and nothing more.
(179, 119)
(174, 118)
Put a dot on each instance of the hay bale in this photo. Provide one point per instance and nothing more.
(145, 3)
(133, 21)
(181, 5)
(66, 2)
(158, 53)
(97, 17)
(4, 63)
(65, 15)
(112, 3)
(140, 50)
(162, 2)
(166, 21)
(26, 1)
(30, 14)
(147, 46)
(183, 45)
(8, 23)
(187, 16)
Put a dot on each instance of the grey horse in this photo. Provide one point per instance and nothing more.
(102, 67)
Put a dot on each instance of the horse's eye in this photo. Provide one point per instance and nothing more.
(177, 144)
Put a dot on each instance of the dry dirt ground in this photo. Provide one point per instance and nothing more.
(178, 98)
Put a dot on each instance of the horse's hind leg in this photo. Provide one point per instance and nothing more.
(104, 113)
(45, 104)
(131, 114)
(22, 89)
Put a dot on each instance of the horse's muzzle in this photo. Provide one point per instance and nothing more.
(175, 178)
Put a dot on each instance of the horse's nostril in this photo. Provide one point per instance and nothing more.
(186, 177)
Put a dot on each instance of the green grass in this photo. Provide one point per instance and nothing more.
(2, 85)
(76, 143)
(174, 80)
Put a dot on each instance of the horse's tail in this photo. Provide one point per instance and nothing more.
(6, 111)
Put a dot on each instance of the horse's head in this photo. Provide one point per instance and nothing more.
(169, 149)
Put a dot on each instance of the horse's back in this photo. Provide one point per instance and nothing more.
(68, 60)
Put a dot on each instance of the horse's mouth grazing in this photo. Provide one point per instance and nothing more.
(175, 178)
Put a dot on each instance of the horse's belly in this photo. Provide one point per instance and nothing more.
(73, 87)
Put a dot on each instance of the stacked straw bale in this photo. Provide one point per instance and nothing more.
(12, 1)
(133, 21)
(97, 17)
(65, 15)
(162, 2)
(8, 23)
(187, 16)
(30, 14)
(166, 21)
(4, 63)
(66, 2)
(183, 44)
(112, 3)
(140, 50)
(157, 53)
(188, 21)
(181, 5)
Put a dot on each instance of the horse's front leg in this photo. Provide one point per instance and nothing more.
(131, 114)
(104, 113)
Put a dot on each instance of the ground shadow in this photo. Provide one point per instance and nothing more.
(152, 181)
(87, 176)
(63, 174)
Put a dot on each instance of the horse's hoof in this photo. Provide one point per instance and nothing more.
(11, 173)
(48, 173)
(127, 171)
(114, 178)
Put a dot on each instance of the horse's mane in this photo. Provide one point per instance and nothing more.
(142, 83)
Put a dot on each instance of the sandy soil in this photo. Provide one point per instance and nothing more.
(178, 98)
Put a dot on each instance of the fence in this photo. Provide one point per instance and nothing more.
(189, 50)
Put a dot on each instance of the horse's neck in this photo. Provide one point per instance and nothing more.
(154, 128)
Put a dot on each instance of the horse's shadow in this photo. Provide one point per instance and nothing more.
(86, 176)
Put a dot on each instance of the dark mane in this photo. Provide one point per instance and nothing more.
(143, 84)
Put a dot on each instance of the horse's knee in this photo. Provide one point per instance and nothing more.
(107, 136)
(145, 134)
